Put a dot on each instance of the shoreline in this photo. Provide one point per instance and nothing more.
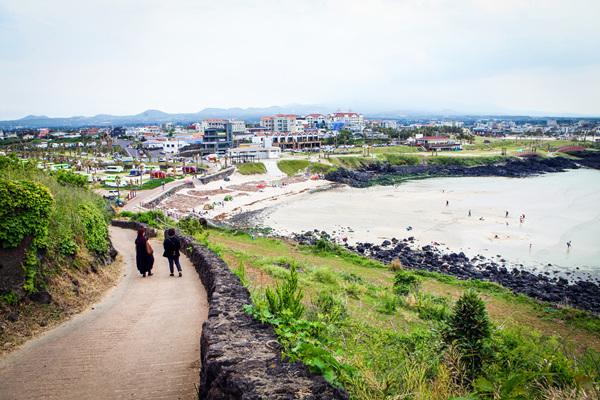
(385, 174)
(579, 293)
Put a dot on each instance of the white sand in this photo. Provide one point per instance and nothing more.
(558, 208)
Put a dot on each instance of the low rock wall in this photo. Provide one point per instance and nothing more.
(215, 177)
(168, 193)
(240, 357)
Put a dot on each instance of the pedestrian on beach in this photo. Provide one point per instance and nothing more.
(172, 245)
(144, 257)
(506, 215)
(569, 245)
(447, 203)
(469, 213)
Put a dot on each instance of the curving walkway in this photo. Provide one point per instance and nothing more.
(140, 342)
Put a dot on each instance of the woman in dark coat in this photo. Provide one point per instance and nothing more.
(143, 254)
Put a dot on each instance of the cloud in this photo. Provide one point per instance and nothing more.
(108, 56)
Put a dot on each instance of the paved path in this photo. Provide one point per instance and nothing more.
(140, 342)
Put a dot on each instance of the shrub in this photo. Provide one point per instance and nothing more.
(469, 328)
(331, 307)
(354, 290)
(286, 297)
(68, 178)
(324, 275)
(190, 226)
(430, 307)
(396, 265)
(96, 232)
(24, 210)
(388, 304)
(405, 282)
(228, 198)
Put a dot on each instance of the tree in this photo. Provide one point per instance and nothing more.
(468, 329)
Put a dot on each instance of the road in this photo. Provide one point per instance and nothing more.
(141, 341)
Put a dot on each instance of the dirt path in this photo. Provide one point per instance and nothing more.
(141, 341)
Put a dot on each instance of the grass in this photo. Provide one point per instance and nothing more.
(350, 162)
(292, 167)
(251, 168)
(390, 345)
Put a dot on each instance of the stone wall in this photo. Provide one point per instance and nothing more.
(122, 223)
(216, 176)
(168, 193)
(240, 357)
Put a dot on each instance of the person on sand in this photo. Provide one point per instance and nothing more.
(569, 245)
(469, 213)
(172, 246)
(447, 203)
(506, 215)
(144, 257)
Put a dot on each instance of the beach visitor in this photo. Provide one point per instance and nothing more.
(506, 215)
(569, 245)
(469, 213)
(447, 203)
(144, 257)
(172, 245)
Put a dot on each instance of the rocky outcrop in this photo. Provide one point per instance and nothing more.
(240, 357)
(386, 174)
(547, 286)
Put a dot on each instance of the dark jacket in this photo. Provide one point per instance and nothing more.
(172, 247)
(144, 261)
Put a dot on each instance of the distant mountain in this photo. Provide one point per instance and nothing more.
(156, 117)
(251, 114)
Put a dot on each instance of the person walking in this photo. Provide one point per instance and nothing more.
(172, 246)
(144, 257)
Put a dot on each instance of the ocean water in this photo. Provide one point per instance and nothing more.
(558, 208)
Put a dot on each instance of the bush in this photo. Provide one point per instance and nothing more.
(469, 328)
(405, 282)
(70, 178)
(286, 297)
(388, 304)
(190, 226)
(25, 208)
(430, 307)
(325, 276)
(331, 307)
(95, 226)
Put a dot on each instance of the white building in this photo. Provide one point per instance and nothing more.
(280, 123)
(352, 120)
(254, 152)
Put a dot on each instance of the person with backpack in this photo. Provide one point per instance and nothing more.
(144, 257)
(172, 246)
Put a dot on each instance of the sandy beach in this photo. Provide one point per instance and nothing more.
(418, 209)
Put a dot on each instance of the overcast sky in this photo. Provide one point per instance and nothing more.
(85, 57)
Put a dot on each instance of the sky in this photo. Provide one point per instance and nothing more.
(73, 57)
